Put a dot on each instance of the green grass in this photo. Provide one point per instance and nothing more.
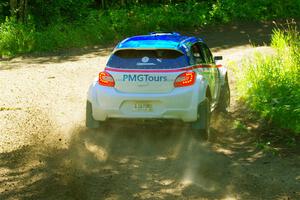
(270, 84)
(100, 27)
(18, 38)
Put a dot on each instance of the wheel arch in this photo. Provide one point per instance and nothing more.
(91, 94)
(203, 91)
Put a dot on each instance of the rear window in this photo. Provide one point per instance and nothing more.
(147, 59)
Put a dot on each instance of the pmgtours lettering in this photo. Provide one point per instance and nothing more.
(144, 78)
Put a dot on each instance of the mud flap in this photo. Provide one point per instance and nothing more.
(203, 120)
(90, 122)
(224, 99)
(201, 127)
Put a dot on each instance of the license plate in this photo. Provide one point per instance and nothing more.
(142, 107)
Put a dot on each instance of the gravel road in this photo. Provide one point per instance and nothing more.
(47, 153)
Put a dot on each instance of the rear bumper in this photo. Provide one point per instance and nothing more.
(181, 104)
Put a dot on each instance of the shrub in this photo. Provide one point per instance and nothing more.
(271, 85)
(16, 38)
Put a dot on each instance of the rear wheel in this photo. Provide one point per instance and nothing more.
(201, 127)
(224, 99)
(90, 122)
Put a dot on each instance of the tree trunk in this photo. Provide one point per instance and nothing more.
(23, 10)
(13, 6)
(19, 8)
(103, 4)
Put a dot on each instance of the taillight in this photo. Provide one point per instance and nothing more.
(185, 79)
(106, 79)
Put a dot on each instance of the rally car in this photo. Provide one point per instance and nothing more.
(159, 76)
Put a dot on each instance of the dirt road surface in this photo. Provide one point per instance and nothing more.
(47, 153)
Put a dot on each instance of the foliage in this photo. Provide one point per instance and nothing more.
(271, 83)
(102, 27)
(52, 12)
(227, 10)
(16, 37)
(60, 24)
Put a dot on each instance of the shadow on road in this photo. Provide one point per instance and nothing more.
(237, 34)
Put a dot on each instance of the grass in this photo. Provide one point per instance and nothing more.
(18, 38)
(270, 84)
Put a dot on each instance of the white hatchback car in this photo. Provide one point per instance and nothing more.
(159, 76)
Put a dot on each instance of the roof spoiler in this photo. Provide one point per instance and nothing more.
(165, 33)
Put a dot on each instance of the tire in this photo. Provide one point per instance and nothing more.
(201, 127)
(90, 122)
(224, 100)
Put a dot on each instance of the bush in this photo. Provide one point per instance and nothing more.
(271, 84)
(16, 38)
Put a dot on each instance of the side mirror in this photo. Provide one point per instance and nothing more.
(218, 57)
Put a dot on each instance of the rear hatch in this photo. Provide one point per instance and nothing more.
(146, 71)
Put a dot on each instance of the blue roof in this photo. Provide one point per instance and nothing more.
(159, 41)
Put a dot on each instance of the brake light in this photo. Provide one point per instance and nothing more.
(185, 79)
(106, 79)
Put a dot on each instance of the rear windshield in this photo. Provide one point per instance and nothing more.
(147, 59)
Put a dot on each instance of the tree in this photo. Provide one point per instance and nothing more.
(19, 9)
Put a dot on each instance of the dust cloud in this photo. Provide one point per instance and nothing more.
(122, 159)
